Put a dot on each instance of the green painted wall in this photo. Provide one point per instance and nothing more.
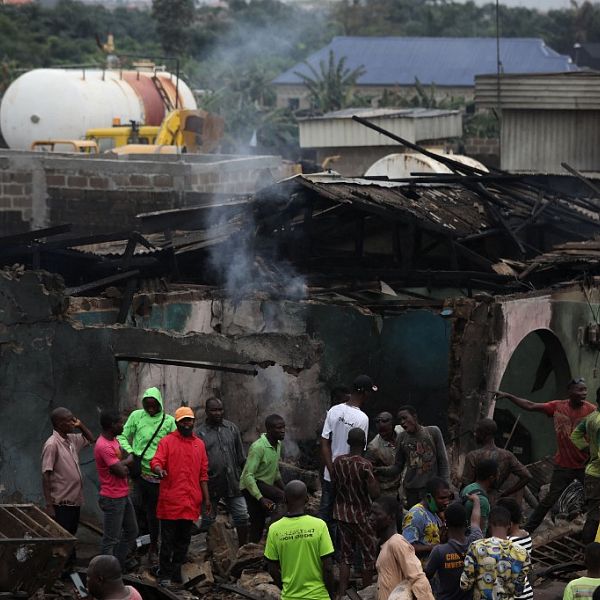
(407, 355)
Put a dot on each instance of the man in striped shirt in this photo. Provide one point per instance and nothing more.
(354, 486)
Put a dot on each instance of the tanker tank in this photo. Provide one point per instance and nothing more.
(64, 103)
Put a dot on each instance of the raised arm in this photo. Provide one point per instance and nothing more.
(521, 402)
(475, 511)
(87, 434)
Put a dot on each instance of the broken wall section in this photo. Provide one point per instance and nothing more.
(406, 354)
(98, 194)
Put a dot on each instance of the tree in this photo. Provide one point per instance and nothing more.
(174, 20)
(332, 86)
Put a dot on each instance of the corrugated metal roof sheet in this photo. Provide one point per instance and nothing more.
(440, 61)
(338, 130)
(391, 113)
(536, 141)
(558, 91)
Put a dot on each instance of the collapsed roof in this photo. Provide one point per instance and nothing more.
(374, 241)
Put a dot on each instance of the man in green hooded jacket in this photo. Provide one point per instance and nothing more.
(137, 432)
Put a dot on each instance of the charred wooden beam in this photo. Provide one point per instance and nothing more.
(32, 236)
(581, 177)
(100, 283)
(153, 360)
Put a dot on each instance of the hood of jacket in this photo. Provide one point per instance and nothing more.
(154, 392)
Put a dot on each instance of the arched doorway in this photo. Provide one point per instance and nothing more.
(538, 370)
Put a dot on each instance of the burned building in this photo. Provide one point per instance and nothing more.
(441, 288)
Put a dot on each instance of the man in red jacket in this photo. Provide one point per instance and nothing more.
(182, 465)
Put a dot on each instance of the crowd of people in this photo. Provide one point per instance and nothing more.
(388, 507)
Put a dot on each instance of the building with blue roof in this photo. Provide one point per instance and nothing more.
(449, 64)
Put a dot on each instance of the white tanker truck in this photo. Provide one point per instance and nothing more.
(51, 104)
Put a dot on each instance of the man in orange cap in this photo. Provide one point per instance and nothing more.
(182, 465)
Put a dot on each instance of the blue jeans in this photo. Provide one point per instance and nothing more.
(237, 509)
(120, 527)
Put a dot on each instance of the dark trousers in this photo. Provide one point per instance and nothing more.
(561, 478)
(326, 510)
(175, 537)
(68, 518)
(146, 500)
(258, 515)
(592, 508)
(120, 527)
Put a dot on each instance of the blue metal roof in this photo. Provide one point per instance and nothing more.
(440, 61)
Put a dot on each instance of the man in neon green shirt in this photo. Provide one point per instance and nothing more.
(260, 481)
(583, 588)
(299, 550)
(587, 436)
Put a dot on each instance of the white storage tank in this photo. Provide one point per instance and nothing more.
(64, 103)
(400, 166)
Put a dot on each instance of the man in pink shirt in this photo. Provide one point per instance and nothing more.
(61, 476)
(120, 525)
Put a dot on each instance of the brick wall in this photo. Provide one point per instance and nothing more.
(99, 194)
(485, 150)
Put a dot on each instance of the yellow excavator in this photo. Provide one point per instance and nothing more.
(182, 130)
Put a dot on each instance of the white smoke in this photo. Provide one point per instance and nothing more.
(243, 270)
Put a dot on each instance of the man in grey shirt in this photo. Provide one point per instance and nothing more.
(422, 451)
(226, 460)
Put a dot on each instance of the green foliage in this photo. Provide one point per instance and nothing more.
(332, 86)
(174, 20)
(33, 36)
(482, 125)
(425, 96)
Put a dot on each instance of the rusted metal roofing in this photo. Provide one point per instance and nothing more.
(585, 252)
(453, 210)
(461, 208)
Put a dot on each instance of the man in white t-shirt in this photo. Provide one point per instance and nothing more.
(340, 419)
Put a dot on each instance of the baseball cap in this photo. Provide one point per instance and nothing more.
(363, 383)
(184, 412)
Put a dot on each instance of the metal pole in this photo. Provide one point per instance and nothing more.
(177, 83)
(153, 360)
(498, 71)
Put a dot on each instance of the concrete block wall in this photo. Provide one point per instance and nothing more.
(103, 194)
(485, 150)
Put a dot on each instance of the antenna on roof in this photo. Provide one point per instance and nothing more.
(498, 74)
